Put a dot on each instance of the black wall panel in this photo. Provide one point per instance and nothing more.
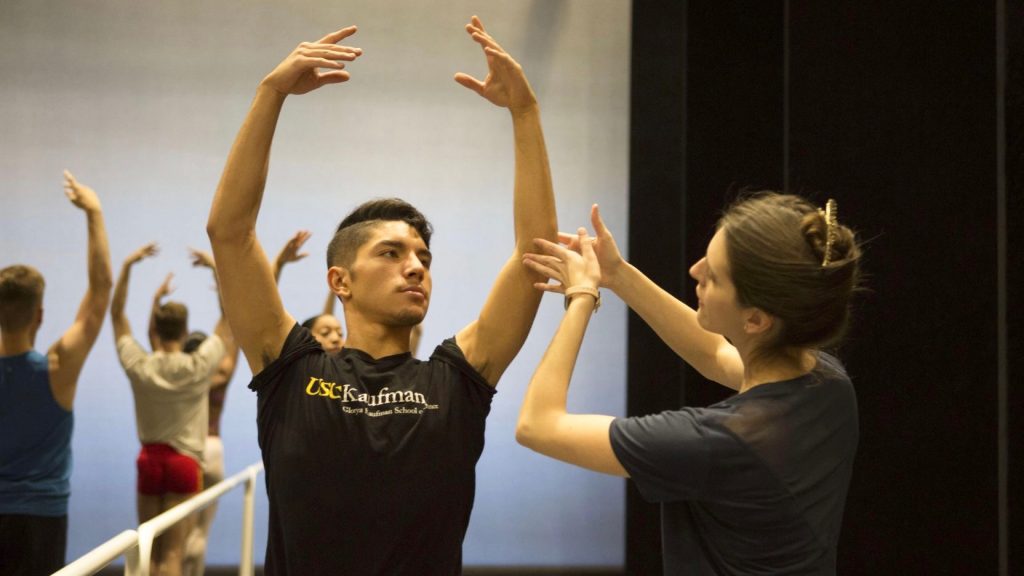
(891, 108)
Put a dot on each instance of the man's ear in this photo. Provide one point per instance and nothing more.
(340, 279)
(758, 322)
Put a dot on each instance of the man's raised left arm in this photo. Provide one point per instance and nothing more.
(491, 342)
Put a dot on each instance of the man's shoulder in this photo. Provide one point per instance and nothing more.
(450, 352)
(33, 360)
(213, 347)
(297, 349)
(128, 343)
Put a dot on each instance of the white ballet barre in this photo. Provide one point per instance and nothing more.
(137, 545)
(125, 543)
(159, 524)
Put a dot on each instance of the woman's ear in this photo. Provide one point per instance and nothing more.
(758, 322)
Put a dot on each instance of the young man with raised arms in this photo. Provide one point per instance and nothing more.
(37, 392)
(169, 387)
(375, 476)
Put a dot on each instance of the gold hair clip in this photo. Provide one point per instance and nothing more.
(831, 213)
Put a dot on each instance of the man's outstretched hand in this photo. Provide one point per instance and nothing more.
(80, 195)
(299, 72)
(505, 84)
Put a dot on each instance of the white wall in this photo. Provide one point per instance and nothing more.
(142, 100)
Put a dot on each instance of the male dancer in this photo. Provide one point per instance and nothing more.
(36, 396)
(370, 454)
(169, 388)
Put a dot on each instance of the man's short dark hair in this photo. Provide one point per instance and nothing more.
(21, 293)
(355, 229)
(171, 321)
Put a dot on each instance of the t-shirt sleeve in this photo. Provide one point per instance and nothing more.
(298, 344)
(668, 455)
(209, 354)
(450, 353)
(131, 355)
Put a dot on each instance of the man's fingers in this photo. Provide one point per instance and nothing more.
(470, 82)
(321, 63)
(485, 41)
(70, 186)
(333, 77)
(330, 51)
(338, 35)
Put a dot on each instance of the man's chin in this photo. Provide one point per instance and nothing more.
(410, 317)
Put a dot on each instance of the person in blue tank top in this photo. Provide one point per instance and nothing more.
(755, 484)
(37, 392)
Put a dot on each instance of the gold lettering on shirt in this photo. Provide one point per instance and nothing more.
(349, 395)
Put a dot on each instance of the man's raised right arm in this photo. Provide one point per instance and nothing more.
(68, 353)
(120, 299)
(251, 302)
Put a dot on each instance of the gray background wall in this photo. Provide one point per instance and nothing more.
(142, 100)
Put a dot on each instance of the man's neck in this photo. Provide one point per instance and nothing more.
(377, 340)
(14, 343)
(169, 347)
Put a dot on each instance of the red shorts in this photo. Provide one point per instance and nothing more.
(163, 469)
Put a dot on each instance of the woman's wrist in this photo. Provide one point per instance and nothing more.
(583, 291)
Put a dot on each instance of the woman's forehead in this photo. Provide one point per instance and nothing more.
(326, 321)
(716, 254)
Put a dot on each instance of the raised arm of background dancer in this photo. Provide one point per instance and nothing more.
(161, 292)
(68, 353)
(290, 252)
(544, 424)
(674, 322)
(251, 300)
(117, 317)
(222, 329)
(493, 340)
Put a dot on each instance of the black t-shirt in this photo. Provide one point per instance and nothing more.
(370, 463)
(755, 484)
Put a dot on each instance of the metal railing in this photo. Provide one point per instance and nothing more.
(137, 545)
